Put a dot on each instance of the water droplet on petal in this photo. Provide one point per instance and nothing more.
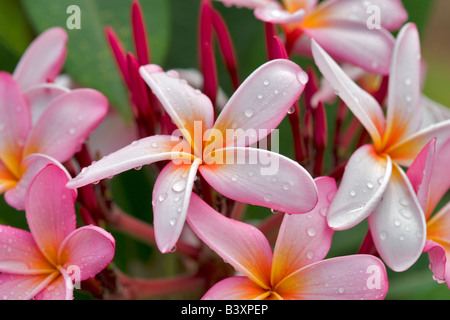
(302, 77)
(155, 145)
(259, 96)
(179, 186)
(172, 221)
(310, 255)
(383, 235)
(248, 112)
(162, 197)
(268, 197)
(134, 143)
(311, 231)
(266, 82)
(234, 178)
(341, 290)
(369, 185)
(408, 81)
(286, 186)
(352, 193)
(291, 110)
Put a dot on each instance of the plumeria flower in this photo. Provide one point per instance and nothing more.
(342, 27)
(431, 185)
(374, 186)
(43, 263)
(255, 109)
(295, 269)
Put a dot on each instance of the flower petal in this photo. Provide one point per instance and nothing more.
(274, 13)
(235, 288)
(40, 96)
(404, 112)
(362, 104)
(353, 42)
(15, 123)
(7, 180)
(189, 108)
(43, 59)
(261, 177)
(433, 112)
(438, 228)
(364, 182)
(86, 251)
(31, 165)
(261, 102)
(137, 154)
(240, 244)
(50, 218)
(398, 225)
(59, 289)
(304, 239)
(22, 287)
(20, 255)
(438, 261)
(350, 277)
(171, 195)
(66, 123)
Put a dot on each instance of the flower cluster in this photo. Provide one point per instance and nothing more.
(216, 156)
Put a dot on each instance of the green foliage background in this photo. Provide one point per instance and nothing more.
(172, 29)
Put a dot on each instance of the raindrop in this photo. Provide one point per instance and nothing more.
(402, 237)
(179, 186)
(155, 145)
(179, 209)
(323, 212)
(302, 77)
(404, 202)
(352, 193)
(291, 110)
(311, 231)
(274, 211)
(176, 199)
(266, 82)
(405, 213)
(259, 96)
(248, 112)
(162, 197)
(84, 170)
(408, 98)
(286, 186)
(138, 168)
(276, 92)
(172, 221)
(408, 81)
(310, 255)
(134, 143)
(397, 223)
(234, 178)
(341, 290)
(383, 235)
(267, 197)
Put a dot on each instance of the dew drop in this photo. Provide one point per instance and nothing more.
(134, 143)
(286, 186)
(266, 82)
(404, 202)
(179, 186)
(311, 231)
(155, 145)
(310, 255)
(323, 212)
(259, 96)
(267, 197)
(352, 193)
(274, 211)
(291, 110)
(138, 168)
(408, 81)
(383, 235)
(234, 178)
(276, 92)
(397, 222)
(172, 221)
(369, 185)
(162, 197)
(341, 290)
(248, 112)
(176, 199)
(302, 77)
(84, 170)
(405, 213)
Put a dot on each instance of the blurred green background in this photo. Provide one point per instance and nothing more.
(172, 30)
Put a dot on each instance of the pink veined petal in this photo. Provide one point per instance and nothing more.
(251, 4)
(439, 183)
(40, 96)
(407, 150)
(43, 59)
(235, 288)
(274, 13)
(135, 155)
(240, 244)
(50, 218)
(404, 113)
(31, 165)
(419, 174)
(260, 103)
(353, 42)
(171, 196)
(19, 254)
(391, 12)
(304, 239)
(362, 104)
(22, 287)
(352, 277)
(362, 187)
(60, 288)
(261, 177)
(66, 123)
(86, 251)
(189, 108)
(15, 123)
(438, 261)
(398, 224)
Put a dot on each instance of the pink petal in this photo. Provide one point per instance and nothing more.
(294, 5)
(398, 224)
(43, 59)
(19, 254)
(263, 178)
(40, 96)
(235, 288)
(138, 153)
(419, 173)
(31, 165)
(404, 113)
(240, 244)
(86, 251)
(407, 150)
(433, 112)
(392, 13)
(304, 239)
(361, 103)
(261, 102)
(353, 42)
(59, 289)
(353, 277)
(66, 123)
(438, 261)
(274, 13)
(15, 123)
(171, 195)
(189, 108)
(22, 287)
(362, 187)
(7, 179)
(50, 218)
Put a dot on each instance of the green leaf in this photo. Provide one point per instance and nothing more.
(90, 61)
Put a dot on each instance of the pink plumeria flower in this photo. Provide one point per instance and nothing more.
(431, 185)
(341, 27)
(259, 105)
(374, 185)
(295, 269)
(44, 263)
